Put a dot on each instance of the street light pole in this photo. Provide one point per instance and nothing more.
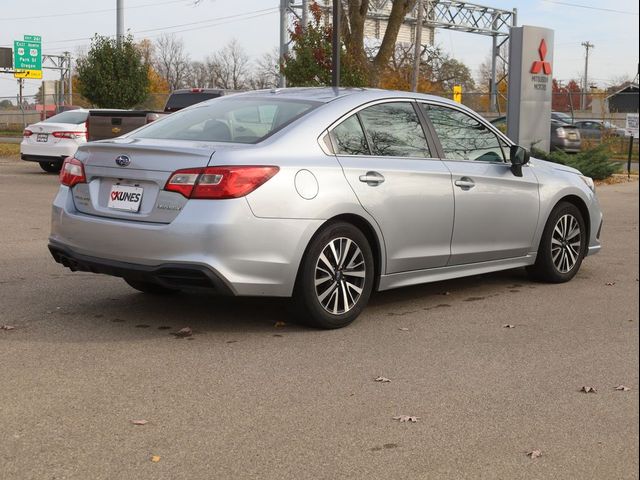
(335, 46)
(417, 48)
(119, 21)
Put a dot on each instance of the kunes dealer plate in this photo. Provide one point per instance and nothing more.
(125, 197)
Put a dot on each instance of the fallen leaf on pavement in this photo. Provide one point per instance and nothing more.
(382, 379)
(610, 284)
(406, 418)
(508, 325)
(280, 324)
(586, 389)
(155, 458)
(622, 388)
(139, 422)
(404, 329)
(7, 327)
(534, 453)
(184, 332)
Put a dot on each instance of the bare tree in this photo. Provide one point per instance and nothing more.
(266, 71)
(230, 66)
(171, 60)
(199, 75)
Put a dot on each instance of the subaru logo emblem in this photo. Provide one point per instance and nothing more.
(123, 160)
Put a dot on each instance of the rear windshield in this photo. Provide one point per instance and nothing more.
(179, 101)
(228, 119)
(71, 116)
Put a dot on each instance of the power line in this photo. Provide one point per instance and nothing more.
(589, 7)
(88, 12)
(216, 21)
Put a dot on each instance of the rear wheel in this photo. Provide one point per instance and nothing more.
(562, 245)
(149, 287)
(50, 167)
(336, 277)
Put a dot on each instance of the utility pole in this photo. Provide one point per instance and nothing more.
(583, 99)
(119, 21)
(282, 81)
(335, 45)
(417, 52)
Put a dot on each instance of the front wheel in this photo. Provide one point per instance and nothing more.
(335, 279)
(562, 245)
(50, 167)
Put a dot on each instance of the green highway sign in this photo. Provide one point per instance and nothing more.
(27, 54)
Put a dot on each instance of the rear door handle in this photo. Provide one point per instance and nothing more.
(465, 183)
(372, 179)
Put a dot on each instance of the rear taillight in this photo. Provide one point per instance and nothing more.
(27, 133)
(219, 182)
(72, 172)
(68, 134)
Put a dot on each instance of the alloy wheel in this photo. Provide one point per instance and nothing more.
(565, 243)
(340, 274)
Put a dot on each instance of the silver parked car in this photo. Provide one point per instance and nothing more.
(320, 194)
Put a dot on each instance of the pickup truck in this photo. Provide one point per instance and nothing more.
(103, 124)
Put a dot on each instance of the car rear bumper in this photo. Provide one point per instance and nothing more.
(43, 158)
(220, 239)
(171, 275)
(59, 149)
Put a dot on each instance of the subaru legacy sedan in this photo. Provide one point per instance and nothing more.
(322, 195)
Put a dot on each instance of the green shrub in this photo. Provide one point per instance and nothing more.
(593, 162)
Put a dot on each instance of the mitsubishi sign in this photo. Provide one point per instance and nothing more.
(530, 87)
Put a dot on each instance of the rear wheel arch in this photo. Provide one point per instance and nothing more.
(369, 232)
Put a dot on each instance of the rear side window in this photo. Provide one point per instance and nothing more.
(463, 137)
(349, 138)
(394, 130)
(228, 119)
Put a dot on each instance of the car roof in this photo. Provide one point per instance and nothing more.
(329, 94)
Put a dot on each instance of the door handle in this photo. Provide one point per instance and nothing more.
(465, 183)
(373, 179)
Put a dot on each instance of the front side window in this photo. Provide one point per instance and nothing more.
(463, 137)
(394, 130)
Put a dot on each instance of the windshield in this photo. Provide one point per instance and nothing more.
(72, 116)
(228, 119)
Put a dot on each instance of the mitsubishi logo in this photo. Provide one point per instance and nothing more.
(541, 65)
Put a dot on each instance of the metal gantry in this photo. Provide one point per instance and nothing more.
(444, 14)
(63, 64)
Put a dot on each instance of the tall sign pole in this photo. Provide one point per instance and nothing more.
(335, 46)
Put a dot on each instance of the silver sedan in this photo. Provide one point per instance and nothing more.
(322, 195)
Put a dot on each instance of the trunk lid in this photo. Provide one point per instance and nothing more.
(151, 163)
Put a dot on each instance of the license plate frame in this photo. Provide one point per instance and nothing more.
(125, 198)
(42, 137)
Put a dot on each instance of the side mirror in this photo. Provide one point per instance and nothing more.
(519, 156)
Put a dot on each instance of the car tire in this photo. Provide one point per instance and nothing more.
(149, 287)
(51, 167)
(562, 247)
(340, 255)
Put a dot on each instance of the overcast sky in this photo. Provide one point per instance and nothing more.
(68, 24)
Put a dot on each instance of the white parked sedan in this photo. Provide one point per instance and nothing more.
(51, 141)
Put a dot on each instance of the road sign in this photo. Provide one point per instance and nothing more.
(37, 74)
(27, 55)
(457, 93)
(632, 124)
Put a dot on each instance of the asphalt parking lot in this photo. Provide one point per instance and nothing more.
(244, 398)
